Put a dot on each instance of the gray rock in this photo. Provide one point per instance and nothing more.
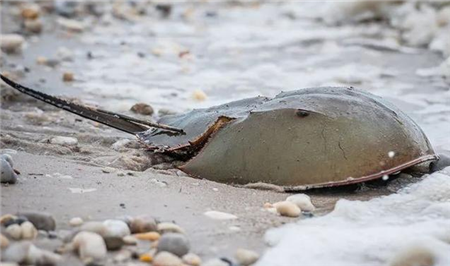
(40, 220)
(443, 162)
(174, 243)
(7, 174)
(113, 243)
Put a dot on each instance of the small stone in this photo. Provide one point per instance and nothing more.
(108, 170)
(40, 220)
(64, 54)
(65, 141)
(94, 227)
(146, 258)
(166, 111)
(142, 109)
(4, 242)
(116, 228)
(169, 228)
(143, 224)
(28, 230)
(174, 243)
(303, 201)
(7, 219)
(216, 215)
(90, 246)
(7, 174)
(14, 231)
(246, 257)
(41, 60)
(76, 221)
(286, 208)
(68, 77)
(167, 259)
(25, 252)
(414, 256)
(199, 95)
(130, 240)
(192, 259)
(149, 236)
(215, 262)
(33, 26)
(30, 11)
(11, 43)
(70, 25)
(123, 256)
(113, 243)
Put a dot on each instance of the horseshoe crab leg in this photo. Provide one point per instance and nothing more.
(122, 122)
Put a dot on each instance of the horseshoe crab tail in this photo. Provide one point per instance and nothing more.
(121, 122)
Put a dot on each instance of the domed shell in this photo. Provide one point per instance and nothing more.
(312, 138)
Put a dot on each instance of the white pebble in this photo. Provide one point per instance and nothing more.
(215, 262)
(199, 95)
(4, 242)
(89, 246)
(28, 230)
(14, 231)
(116, 228)
(11, 43)
(287, 208)
(246, 257)
(216, 215)
(192, 259)
(60, 140)
(303, 201)
(76, 221)
(70, 25)
(169, 228)
(167, 259)
(120, 144)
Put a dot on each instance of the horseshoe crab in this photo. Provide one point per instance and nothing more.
(310, 138)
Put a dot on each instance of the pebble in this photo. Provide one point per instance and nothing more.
(90, 246)
(146, 258)
(174, 243)
(108, 170)
(64, 54)
(70, 25)
(199, 95)
(288, 209)
(246, 257)
(30, 11)
(123, 256)
(169, 228)
(166, 111)
(14, 231)
(8, 158)
(25, 252)
(76, 221)
(4, 242)
(130, 240)
(215, 262)
(303, 201)
(7, 174)
(60, 140)
(113, 243)
(116, 228)
(40, 220)
(192, 259)
(28, 230)
(414, 256)
(142, 109)
(216, 215)
(11, 43)
(94, 227)
(33, 26)
(167, 259)
(68, 77)
(149, 236)
(7, 218)
(143, 224)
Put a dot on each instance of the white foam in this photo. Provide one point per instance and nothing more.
(369, 233)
